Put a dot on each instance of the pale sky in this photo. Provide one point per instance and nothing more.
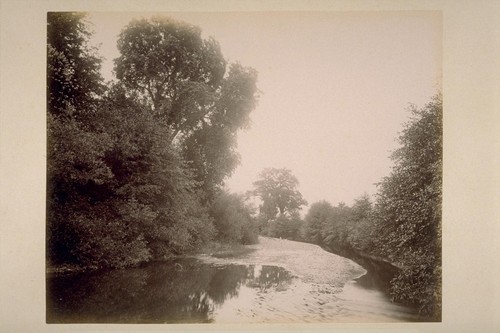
(335, 89)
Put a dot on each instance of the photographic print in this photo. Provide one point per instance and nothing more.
(244, 167)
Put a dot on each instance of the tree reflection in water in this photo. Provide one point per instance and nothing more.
(157, 293)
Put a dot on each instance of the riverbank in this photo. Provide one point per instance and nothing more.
(215, 249)
(382, 269)
(379, 275)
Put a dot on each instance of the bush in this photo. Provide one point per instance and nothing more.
(233, 220)
(288, 227)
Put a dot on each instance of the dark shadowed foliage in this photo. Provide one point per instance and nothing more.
(403, 227)
(133, 166)
(233, 219)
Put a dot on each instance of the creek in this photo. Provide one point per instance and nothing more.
(278, 281)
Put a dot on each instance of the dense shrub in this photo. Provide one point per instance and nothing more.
(404, 225)
(409, 210)
(288, 227)
(233, 219)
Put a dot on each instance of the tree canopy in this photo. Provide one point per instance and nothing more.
(166, 61)
(409, 208)
(184, 80)
(277, 188)
(120, 189)
(73, 66)
(403, 226)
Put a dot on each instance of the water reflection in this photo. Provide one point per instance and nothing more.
(187, 291)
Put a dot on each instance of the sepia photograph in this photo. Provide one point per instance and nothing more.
(267, 167)
(252, 166)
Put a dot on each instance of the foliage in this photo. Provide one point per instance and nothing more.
(287, 227)
(360, 234)
(157, 189)
(404, 224)
(210, 148)
(335, 231)
(409, 209)
(336, 227)
(277, 189)
(73, 67)
(134, 169)
(75, 165)
(182, 78)
(316, 220)
(233, 219)
(172, 68)
(120, 191)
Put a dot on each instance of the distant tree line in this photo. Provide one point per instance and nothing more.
(402, 226)
(135, 167)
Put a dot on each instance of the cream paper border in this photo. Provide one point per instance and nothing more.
(471, 297)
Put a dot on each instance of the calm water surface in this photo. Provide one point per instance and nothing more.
(186, 291)
(293, 284)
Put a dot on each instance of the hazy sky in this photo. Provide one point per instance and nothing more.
(335, 89)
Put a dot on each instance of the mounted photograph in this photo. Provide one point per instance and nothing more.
(244, 167)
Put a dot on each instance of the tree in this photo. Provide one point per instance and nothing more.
(277, 188)
(361, 227)
(171, 67)
(362, 208)
(337, 227)
(210, 148)
(73, 66)
(182, 79)
(233, 219)
(409, 209)
(154, 191)
(288, 227)
(118, 191)
(316, 220)
(75, 152)
(131, 172)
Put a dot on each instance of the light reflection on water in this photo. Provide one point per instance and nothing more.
(364, 301)
(187, 291)
(194, 291)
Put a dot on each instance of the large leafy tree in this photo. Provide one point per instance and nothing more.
(409, 209)
(316, 220)
(277, 189)
(211, 146)
(171, 67)
(73, 66)
(84, 222)
(128, 168)
(183, 80)
(118, 191)
(75, 165)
